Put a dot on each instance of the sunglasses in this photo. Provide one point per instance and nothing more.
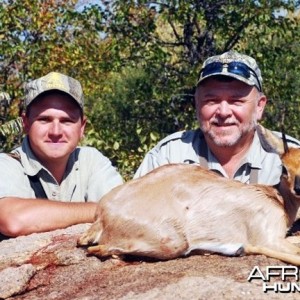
(237, 68)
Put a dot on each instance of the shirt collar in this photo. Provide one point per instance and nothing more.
(31, 164)
(252, 158)
(255, 153)
(29, 161)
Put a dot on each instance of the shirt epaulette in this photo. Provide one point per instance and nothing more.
(174, 136)
(179, 135)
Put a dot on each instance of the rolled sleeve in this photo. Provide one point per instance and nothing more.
(13, 180)
(103, 176)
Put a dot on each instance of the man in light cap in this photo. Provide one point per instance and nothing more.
(50, 182)
(229, 102)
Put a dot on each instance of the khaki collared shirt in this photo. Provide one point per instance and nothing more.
(184, 147)
(89, 175)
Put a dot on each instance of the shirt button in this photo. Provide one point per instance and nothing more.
(54, 194)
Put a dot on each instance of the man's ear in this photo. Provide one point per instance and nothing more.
(261, 106)
(26, 125)
(83, 124)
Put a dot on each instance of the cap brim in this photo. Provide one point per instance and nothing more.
(235, 76)
(33, 100)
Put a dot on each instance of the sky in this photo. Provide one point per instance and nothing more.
(82, 3)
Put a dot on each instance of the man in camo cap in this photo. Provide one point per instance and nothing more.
(50, 182)
(229, 103)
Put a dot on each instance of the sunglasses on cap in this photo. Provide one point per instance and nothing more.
(235, 67)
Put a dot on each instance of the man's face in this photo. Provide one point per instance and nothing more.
(228, 110)
(54, 127)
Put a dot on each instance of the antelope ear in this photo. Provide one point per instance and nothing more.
(270, 142)
(284, 140)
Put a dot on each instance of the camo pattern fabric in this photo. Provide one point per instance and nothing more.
(54, 81)
(254, 77)
(13, 127)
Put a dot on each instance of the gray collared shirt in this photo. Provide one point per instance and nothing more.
(184, 147)
(89, 175)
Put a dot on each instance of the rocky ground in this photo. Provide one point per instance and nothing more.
(51, 266)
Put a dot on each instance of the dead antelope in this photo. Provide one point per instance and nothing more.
(177, 209)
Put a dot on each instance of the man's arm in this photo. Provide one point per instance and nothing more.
(25, 216)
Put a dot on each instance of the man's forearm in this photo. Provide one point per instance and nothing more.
(25, 216)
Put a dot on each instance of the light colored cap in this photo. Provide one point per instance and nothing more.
(54, 81)
(252, 77)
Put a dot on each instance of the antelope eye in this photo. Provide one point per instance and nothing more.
(284, 170)
(297, 185)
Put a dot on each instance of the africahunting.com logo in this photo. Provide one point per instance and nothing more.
(278, 279)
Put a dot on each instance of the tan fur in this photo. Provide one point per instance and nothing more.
(178, 209)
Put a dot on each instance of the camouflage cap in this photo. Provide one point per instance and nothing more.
(244, 68)
(54, 81)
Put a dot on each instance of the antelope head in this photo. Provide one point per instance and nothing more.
(290, 157)
(289, 186)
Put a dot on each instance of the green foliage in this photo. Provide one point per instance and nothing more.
(37, 37)
(129, 118)
(277, 50)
